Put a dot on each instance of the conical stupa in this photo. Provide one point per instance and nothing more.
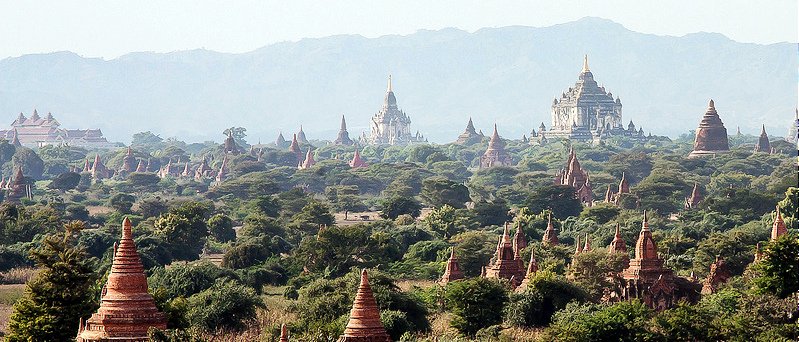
(127, 310)
(711, 136)
(364, 324)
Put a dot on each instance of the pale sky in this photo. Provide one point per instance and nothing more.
(109, 29)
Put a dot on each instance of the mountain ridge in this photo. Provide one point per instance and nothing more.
(441, 78)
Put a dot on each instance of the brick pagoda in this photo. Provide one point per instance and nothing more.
(364, 324)
(126, 309)
(495, 155)
(453, 271)
(711, 136)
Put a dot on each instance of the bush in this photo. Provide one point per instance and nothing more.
(477, 304)
(226, 306)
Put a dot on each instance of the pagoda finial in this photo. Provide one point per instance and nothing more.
(127, 232)
(585, 63)
(389, 83)
(711, 104)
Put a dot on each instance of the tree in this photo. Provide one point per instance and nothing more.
(398, 205)
(146, 138)
(601, 213)
(224, 307)
(245, 255)
(122, 203)
(477, 303)
(184, 228)
(448, 221)
(438, 192)
(591, 269)
(779, 269)
(555, 292)
(313, 215)
(623, 321)
(473, 249)
(238, 133)
(491, 213)
(143, 181)
(267, 205)
(152, 207)
(58, 297)
(560, 199)
(32, 165)
(220, 227)
(65, 181)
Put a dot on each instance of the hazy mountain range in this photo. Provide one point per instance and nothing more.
(506, 76)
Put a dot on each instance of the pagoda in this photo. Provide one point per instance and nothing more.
(507, 260)
(364, 324)
(763, 145)
(391, 125)
(281, 141)
(468, 135)
(453, 270)
(719, 273)
(141, 167)
(99, 171)
(610, 197)
(203, 170)
(19, 188)
(284, 333)
(793, 131)
(711, 136)
(696, 197)
(574, 176)
(495, 155)
(586, 112)
(646, 278)
(15, 139)
(308, 162)
(127, 310)
(301, 136)
(532, 269)
(223, 171)
(550, 236)
(357, 161)
(128, 163)
(624, 188)
(343, 135)
(618, 246)
(230, 145)
(777, 230)
(295, 148)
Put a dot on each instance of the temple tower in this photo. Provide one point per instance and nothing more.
(343, 135)
(696, 197)
(532, 269)
(126, 309)
(495, 155)
(230, 145)
(506, 260)
(295, 148)
(574, 176)
(364, 324)
(618, 246)
(550, 236)
(357, 161)
(467, 135)
(763, 145)
(778, 229)
(19, 188)
(99, 171)
(624, 188)
(719, 273)
(711, 136)
(128, 163)
(391, 125)
(453, 270)
(281, 141)
(308, 162)
(646, 278)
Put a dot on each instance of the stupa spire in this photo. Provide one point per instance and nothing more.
(453, 270)
(364, 324)
(550, 236)
(778, 229)
(389, 83)
(127, 310)
(585, 63)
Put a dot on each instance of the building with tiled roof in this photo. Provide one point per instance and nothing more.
(37, 131)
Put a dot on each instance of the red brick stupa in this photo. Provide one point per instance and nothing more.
(718, 274)
(618, 246)
(364, 324)
(357, 161)
(126, 309)
(711, 136)
(646, 278)
(574, 176)
(19, 189)
(343, 135)
(777, 230)
(453, 271)
(695, 198)
(550, 236)
(507, 261)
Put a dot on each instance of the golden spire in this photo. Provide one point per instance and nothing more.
(389, 83)
(585, 63)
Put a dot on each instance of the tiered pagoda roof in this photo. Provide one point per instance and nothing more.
(343, 136)
(550, 235)
(778, 229)
(574, 176)
(357, 161)
(507, 260)
(763, 145)
(19, 188)
(468, 134)
(127, 310)
(453, 270)
(364, 324)
(495, 155)
(711, 136)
